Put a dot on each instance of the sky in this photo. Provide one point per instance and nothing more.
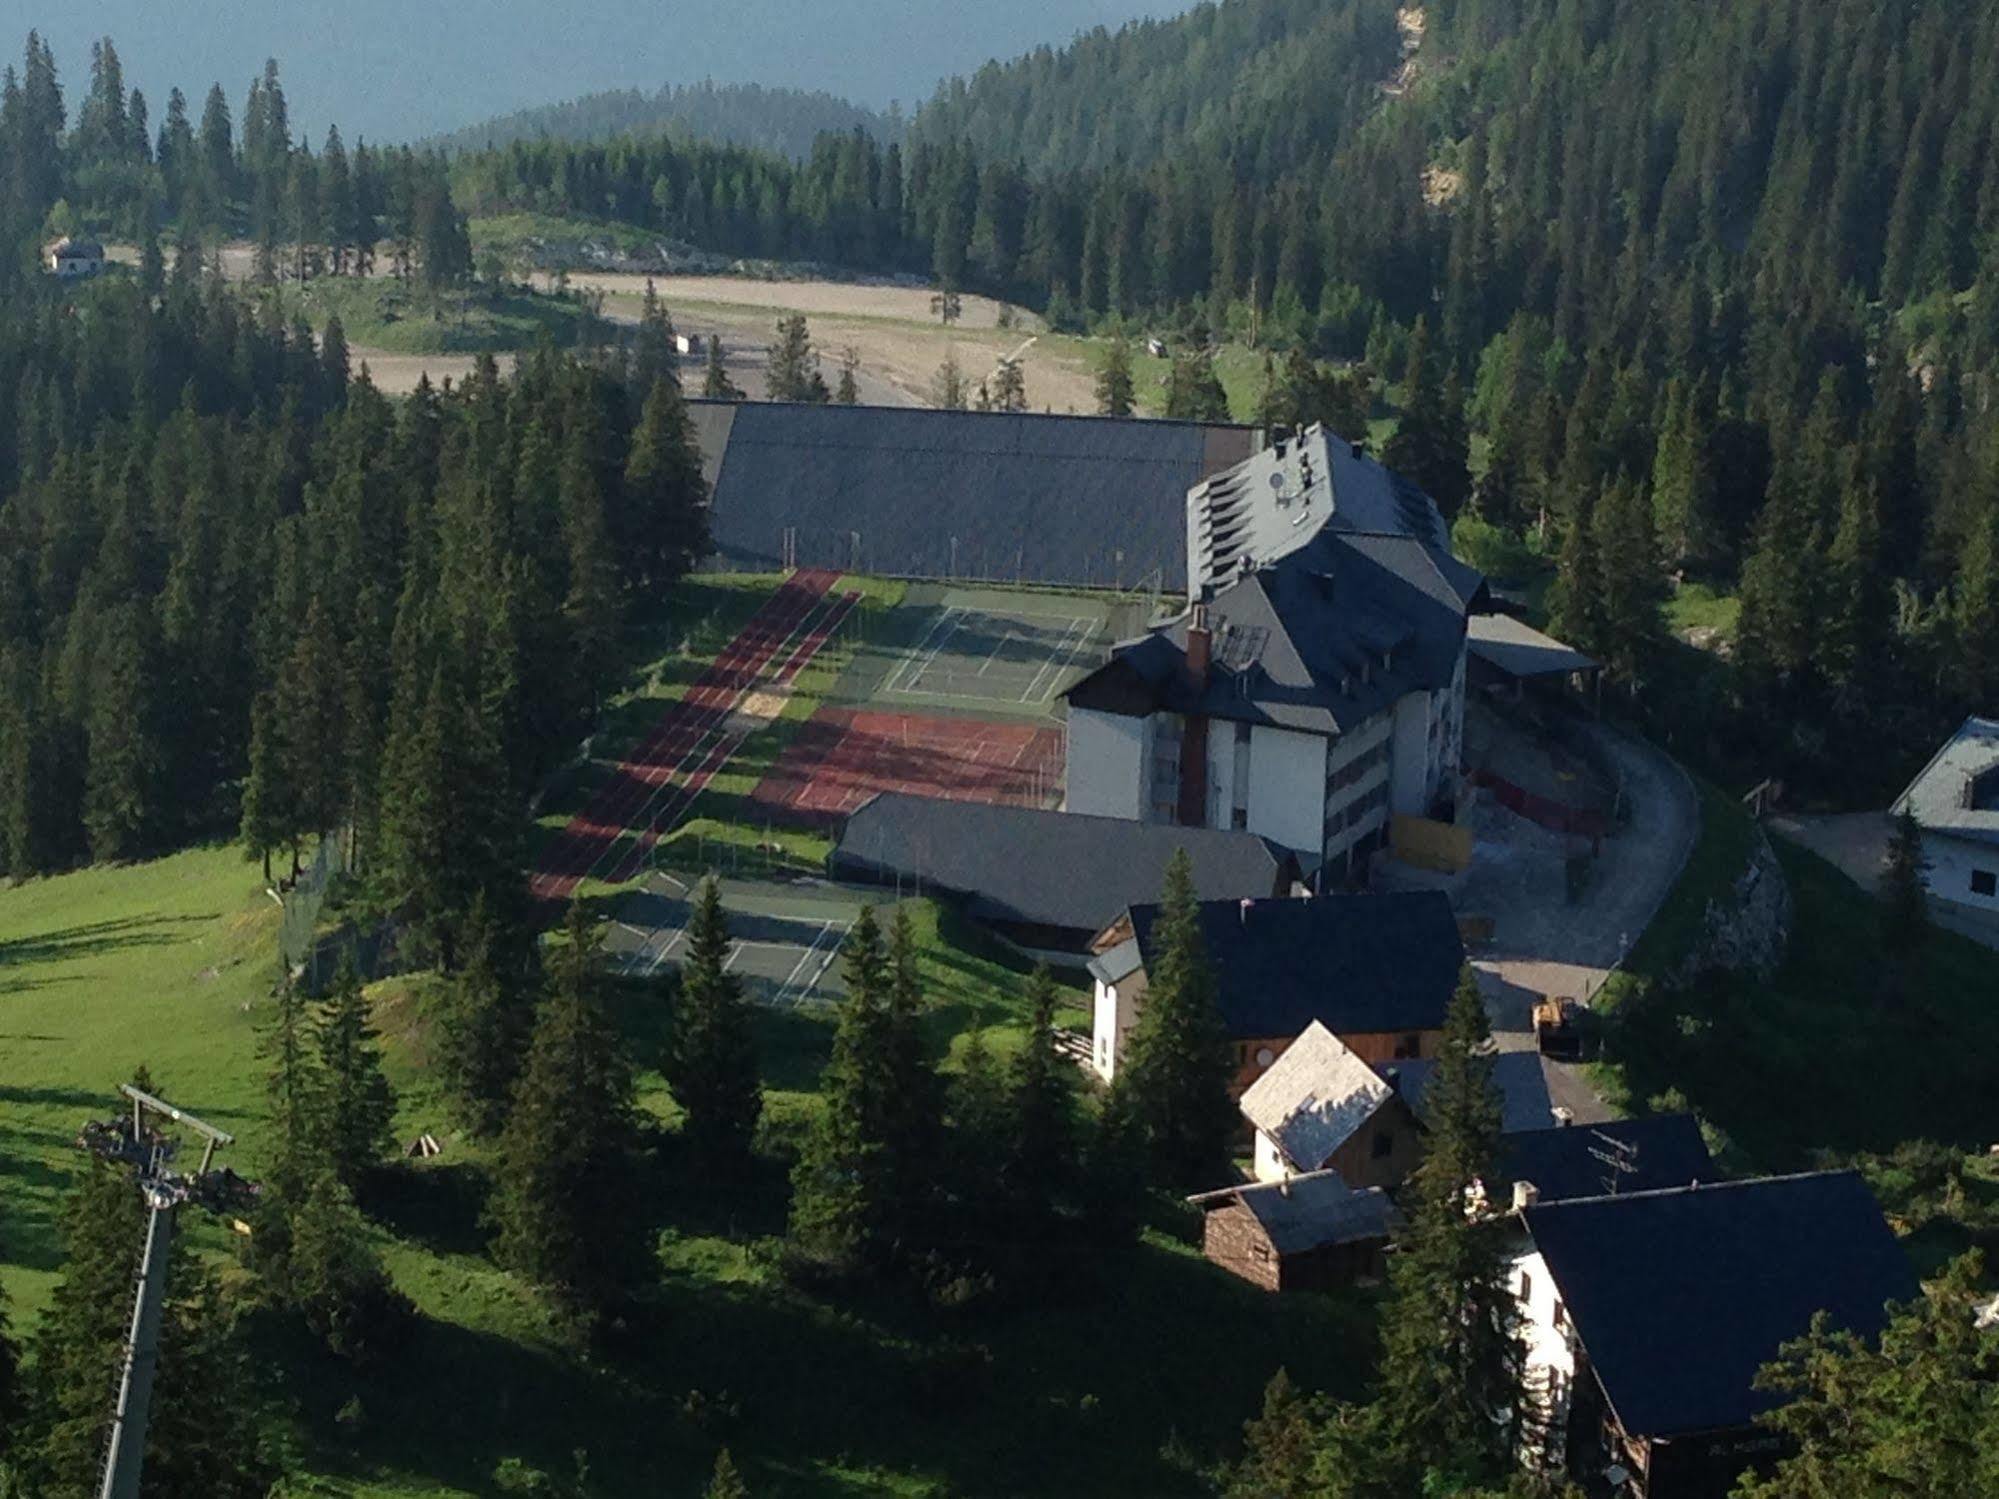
(400, 69)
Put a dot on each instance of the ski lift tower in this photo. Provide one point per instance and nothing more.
(141, 1143)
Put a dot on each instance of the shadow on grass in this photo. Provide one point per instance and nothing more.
(442, 1207)
(95, 938)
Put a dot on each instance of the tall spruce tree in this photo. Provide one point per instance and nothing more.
(565, 1167)
(1450, 1371)
(1041, 1127)
(711, 1058)
(487, 1022)
(664, 489)
(360, 1106)
(1115, 388)
(726, 1482)
(1173, 1083)
(1430, 445)
(840, 1209)
(1905, 919)
(715, 382)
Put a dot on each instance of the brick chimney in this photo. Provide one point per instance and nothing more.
(1200, 647)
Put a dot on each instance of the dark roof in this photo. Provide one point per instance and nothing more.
(1308, 1212)
(1323, 640)
(1355, 963)
(1092, 501)
(1058, 869)
(1519, 1077)
(1667, 1151)
(1680, 1296)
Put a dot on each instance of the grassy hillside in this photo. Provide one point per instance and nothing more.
(381, 313)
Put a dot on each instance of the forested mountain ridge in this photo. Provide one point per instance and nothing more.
(781, 121)
(1269, 83)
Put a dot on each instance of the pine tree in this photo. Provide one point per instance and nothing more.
(1173, 1083)
(848, 392)
(337, 1280)
(1278, 1447)
(1009, 387)
(1041, 1134)
(1115, 389)
(664, 490)
(1683, 487)
(210, 1414)
(1632, 584)
(726, 1483)
(80, 1342)
(912, 1116)
(791, 370)
(840, 1212)
(566, 1177)
(715, 382)
(1450, 1369)
(295, 1101)
(264, 796)
(1975, 607)
(1193, 391)
(1905, 888)
(487, 1021)
(948, 390)
(1430, 444)
(711, 1060)
(360, 1106)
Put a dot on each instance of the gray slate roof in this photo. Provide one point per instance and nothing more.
(1313, 1211)
(1680, 1296)
(1358, 964)
(1089, 501)
(1958, 791)
(1314, 1097)
(1519, 650)
(1665, 1150)
(1061, 869)
(1321, 641)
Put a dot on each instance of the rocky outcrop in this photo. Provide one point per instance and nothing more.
(1748, 930)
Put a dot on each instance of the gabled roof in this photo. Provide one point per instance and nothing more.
(1314, 1097)
(1680, 1296)
(1320, 641)
(1957, 793)
(1086, 500)
(1663, 1150)
(1358, 964)
(1313, 1211)
(1518, 649)
(1519, 1077)
(1057, 869)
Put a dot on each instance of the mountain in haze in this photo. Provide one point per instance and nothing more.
(782, 121)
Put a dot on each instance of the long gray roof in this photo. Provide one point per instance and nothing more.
(1059, 869)
(1078, 500)
(1958, 791)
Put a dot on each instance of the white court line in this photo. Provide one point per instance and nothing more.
(832, 952)
(995, 653)
(1065, 649)
(803, 958)
(665, 951)
(915, 682)
(1070, 657)
(681, 885)
(902, 666)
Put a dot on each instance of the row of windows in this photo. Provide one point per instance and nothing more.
(1984, 882)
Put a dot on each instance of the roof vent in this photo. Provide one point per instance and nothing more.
(1359, 449)
(1243, 907)
(1525, 1195)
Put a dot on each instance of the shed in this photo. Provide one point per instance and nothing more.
(73, 256)
(1305, 1233)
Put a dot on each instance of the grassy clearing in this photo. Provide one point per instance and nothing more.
(381, 313)
(1843, 1049)
(163, 963)
(1696, 606)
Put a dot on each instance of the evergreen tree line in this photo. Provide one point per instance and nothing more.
(194, 180)
(242, 587)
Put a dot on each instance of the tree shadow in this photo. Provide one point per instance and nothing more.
(440, 1206)
(97, 937)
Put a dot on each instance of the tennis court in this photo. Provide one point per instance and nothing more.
(785, 941)
(999, 653)
(843, 756)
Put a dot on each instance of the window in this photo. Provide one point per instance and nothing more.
(1410, 1046)
(1384, 1145)
(1984, 882)
(1526, 1286)
(1239, 818)
(1561, 1315)
(1259, 1251)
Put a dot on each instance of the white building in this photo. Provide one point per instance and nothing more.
(1955, 801)
(72, 257)
(1315, 685)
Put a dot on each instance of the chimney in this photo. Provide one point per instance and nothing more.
(1200, 647)
(1525, 1195)
(1244, 909)
(1284, 1185)
(1564, 1117)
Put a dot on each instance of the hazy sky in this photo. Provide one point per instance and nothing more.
(394, 69)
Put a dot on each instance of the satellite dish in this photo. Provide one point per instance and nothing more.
(1276, 479)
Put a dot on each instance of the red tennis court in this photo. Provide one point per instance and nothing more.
(843, 756)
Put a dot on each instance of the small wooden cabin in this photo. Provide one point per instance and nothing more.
(1304, 1233)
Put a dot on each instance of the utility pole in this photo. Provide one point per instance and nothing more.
(146, 1148)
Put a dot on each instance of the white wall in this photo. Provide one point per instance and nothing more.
(1222, 794)
(1287, 788)
(1409, 776)
(1951, 862)
(1548, 1371)
(1111, 1020)
(1106, 770)
(1270, 1165)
